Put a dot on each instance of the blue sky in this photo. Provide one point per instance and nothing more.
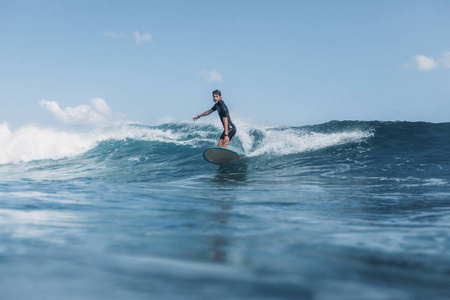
(276, 62)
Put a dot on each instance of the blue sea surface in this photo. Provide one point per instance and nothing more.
(341, 210)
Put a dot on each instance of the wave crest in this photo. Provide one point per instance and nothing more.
(290, 141)
(34, 143)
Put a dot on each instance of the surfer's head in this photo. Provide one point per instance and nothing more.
(217, 96)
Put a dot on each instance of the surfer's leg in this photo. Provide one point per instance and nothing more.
(222, 143)
(231, 133)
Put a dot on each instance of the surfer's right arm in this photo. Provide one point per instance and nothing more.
(208, 112)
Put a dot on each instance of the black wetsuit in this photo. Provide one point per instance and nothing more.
(222, 109)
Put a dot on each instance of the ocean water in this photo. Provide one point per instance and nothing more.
(342, 210)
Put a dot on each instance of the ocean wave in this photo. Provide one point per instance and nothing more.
(386, 148)
(32, 142)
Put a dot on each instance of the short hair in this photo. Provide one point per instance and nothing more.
(217, 92)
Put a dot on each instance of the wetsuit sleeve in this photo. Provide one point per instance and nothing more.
(214, 108)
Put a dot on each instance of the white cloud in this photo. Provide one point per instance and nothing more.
(139, 38)
(100, 105)
(96, 114)
(425, 63)
(135, 36)
(212, 76)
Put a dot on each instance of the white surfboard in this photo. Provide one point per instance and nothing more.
(220, 156)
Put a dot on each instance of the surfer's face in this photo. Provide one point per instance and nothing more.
(216, 98)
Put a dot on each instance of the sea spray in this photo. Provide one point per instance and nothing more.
(289, 141)
(33, 143)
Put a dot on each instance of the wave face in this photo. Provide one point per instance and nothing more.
(171, 151)
(341, 210)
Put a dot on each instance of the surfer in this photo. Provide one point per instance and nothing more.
(228, 126)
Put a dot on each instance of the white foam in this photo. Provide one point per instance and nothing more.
(289, 141)
(285, 141)
(33, 143)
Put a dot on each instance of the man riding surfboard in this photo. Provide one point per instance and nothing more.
(229, 128)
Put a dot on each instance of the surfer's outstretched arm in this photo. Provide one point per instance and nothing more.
(208, 112)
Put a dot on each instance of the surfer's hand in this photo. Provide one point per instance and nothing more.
(195, 118)
(226, 139)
